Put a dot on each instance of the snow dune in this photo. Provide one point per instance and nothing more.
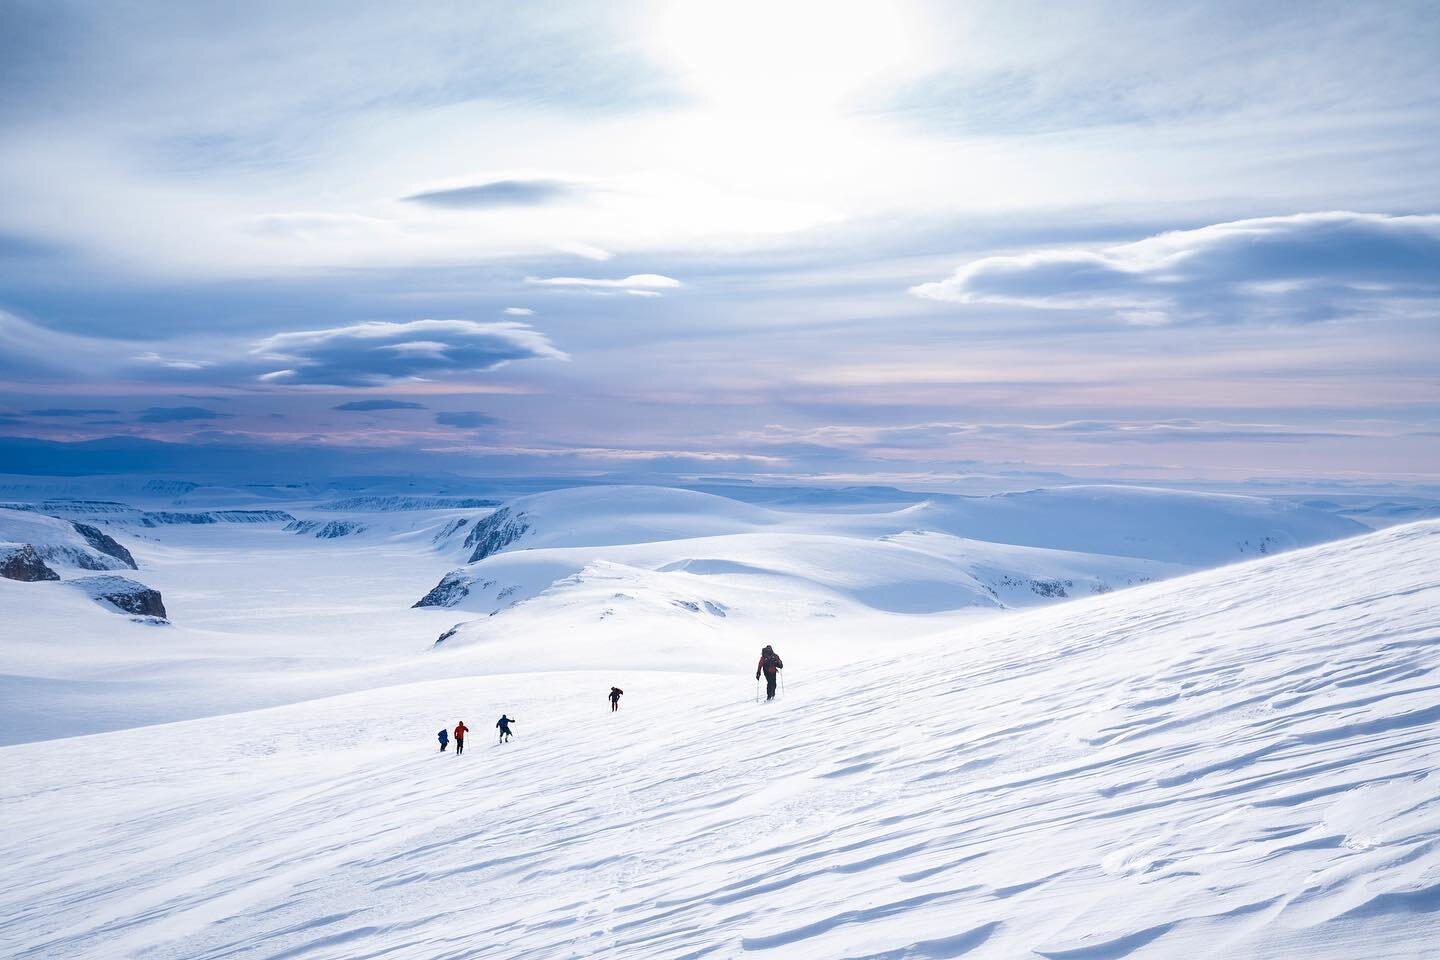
(1238, 763)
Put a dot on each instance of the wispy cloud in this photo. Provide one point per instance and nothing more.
(356, 406)
(464, 418)
(636, 281)
(72, 412)
(498, 193)
(1304, 267)
(178, 414)
(369, 354)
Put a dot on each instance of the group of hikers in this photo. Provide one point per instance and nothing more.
(769, 666)
(503, 725)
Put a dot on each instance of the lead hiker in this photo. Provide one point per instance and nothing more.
(769, 662)
(503, 724)
(460, 731)
(615, 693)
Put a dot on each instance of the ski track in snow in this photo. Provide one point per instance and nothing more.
(1239, 763)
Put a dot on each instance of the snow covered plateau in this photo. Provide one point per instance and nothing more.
(1082, 722)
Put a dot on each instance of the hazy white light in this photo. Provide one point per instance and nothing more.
(763, 56)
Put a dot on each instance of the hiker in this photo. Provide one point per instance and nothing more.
(504, 726)
(769, 662)
(444, 739)
(615, 693)
(460, 731)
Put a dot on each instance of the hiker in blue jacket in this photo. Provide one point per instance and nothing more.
(444, 740)
(503, 724)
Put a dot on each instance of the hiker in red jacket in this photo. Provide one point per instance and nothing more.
(460, 731)
(769, 662)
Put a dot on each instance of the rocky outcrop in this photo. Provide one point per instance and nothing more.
(123, 594)
(326, 529)
(19, 561)
(105, 544)
(452, 588)
(389, 504)
(496, 532)
(157, 518)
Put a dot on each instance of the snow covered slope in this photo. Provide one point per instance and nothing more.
(947, 553)
(1239, 763)
(64, 542)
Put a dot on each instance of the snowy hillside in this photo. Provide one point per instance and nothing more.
(64, 543)
(946, 553)
(1237, 763)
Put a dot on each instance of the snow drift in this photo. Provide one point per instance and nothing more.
(1236, 763)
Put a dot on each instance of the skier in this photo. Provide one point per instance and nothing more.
(504, 726)
(615, 693)
(769, 662)
(444, 739)
(460, 731)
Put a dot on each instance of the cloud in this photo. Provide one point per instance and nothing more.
(174, 363)
(464, 418)
(72, 412)
(1291, 269)
(177, 414)
(586, 251)
(637, 281)
(369, 354)
(497, 193)
(367, 405)
(519, 312)
(935, 436)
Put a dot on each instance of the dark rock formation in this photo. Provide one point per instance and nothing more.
(495, 533)
(326, 530)
(105, 544)
(21, 562)
(124, 594)
(452, 588)
(158, 518)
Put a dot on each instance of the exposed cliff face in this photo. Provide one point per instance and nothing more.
(124, 594)
(453, 587)
(19, 561)
(326, 529)
(495, 533)
(104, 543)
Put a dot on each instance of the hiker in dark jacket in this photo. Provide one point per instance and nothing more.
(615, 693)
(444, 740)
(769, 662)
(503, 724)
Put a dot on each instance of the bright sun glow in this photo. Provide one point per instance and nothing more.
(774, 56)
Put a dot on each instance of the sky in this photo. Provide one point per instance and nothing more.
(1119, 240)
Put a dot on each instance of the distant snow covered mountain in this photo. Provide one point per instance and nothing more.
(940, 554)
(1236, 763)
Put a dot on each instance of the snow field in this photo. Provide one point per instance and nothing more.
(1237, 763)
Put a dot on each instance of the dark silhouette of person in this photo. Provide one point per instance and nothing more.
(615, 693)
(503, 724)
(769, 663)
(460, 731)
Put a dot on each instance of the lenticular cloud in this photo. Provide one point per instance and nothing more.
(1299, 268)
(367, 354)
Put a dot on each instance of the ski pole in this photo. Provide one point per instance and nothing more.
(782, 684)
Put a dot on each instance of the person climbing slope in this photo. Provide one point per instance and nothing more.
(615, 694)
(460, 731)
(769, 663)
(444, 739)
(503, 724)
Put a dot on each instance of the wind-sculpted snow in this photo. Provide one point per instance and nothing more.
(1238, 763)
